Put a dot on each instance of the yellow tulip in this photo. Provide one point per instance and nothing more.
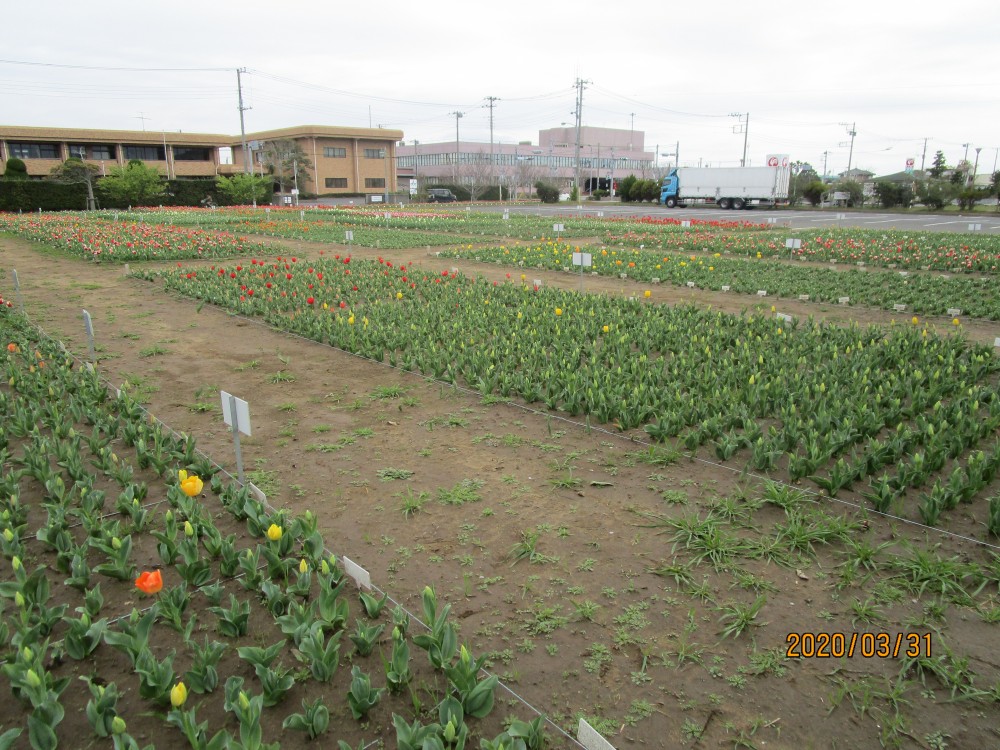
(647, 294)
(178, 694)
(558, 311)
(399, 295)
(274, 532)
(606, 329)
(956, 322)
(191, 484)
(303, 566)
(915, 320)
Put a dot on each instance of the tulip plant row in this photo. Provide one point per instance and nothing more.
(118, 520)
(105, 240)
(842, 406)
(464, 224)
(923, 293)
(932, 251)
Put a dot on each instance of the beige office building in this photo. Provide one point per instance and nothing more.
(340, 160)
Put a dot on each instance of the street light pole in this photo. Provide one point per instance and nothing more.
(975, 169)
(416, 163)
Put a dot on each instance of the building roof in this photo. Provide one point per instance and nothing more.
(324, 131)
(916, 174)
(85, 135)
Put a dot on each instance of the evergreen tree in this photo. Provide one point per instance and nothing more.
(938, 166)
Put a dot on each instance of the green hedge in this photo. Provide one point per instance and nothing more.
(31, 195)
(47, 195)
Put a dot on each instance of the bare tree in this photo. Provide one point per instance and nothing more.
(527, 173)
(476, 174)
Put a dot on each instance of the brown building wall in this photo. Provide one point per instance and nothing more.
(354, 167)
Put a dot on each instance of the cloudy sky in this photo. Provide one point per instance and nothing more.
(804, 72)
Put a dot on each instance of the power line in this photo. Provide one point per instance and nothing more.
(114, 67)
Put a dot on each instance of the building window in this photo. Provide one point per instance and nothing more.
(336, 182)
(374, 153)
(77, 151)
(144, 153)
(34, 150)
(374, 182)
(192, 153)
(334, 153)
(102, 152)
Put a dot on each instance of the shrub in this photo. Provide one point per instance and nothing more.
(15, 169)
(935, 194)
(547, 193)
(493, 193)
(970, 196)
(891, 195)
(814, 192)
(625, 188)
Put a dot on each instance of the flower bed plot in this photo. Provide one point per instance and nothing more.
(896, 412)
(110, 241)
(200, 627)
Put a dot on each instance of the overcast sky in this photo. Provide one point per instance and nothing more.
(902, 71)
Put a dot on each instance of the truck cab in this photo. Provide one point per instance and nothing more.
(668, 190)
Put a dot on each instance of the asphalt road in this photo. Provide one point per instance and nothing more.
(986, 223)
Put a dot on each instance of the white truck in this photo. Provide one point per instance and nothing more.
(726, 187)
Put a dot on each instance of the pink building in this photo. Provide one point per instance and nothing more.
(606, 155)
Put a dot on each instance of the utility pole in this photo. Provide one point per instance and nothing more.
(490, 102)
(457, 116)
(243, 128)
(975, 169)
(579, 118)
(631, 132)
(745, 127)
(923, 157)
(851, 131)
(966, 157)
(825, 154)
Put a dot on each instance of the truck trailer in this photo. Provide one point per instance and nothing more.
(726, 187)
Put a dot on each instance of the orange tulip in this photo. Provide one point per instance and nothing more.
(149, 582)
(12, 348)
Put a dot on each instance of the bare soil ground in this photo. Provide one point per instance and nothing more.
(649, 664)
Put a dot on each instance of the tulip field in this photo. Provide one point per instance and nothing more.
(109, 546)
(831, 404)
(685, 526)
